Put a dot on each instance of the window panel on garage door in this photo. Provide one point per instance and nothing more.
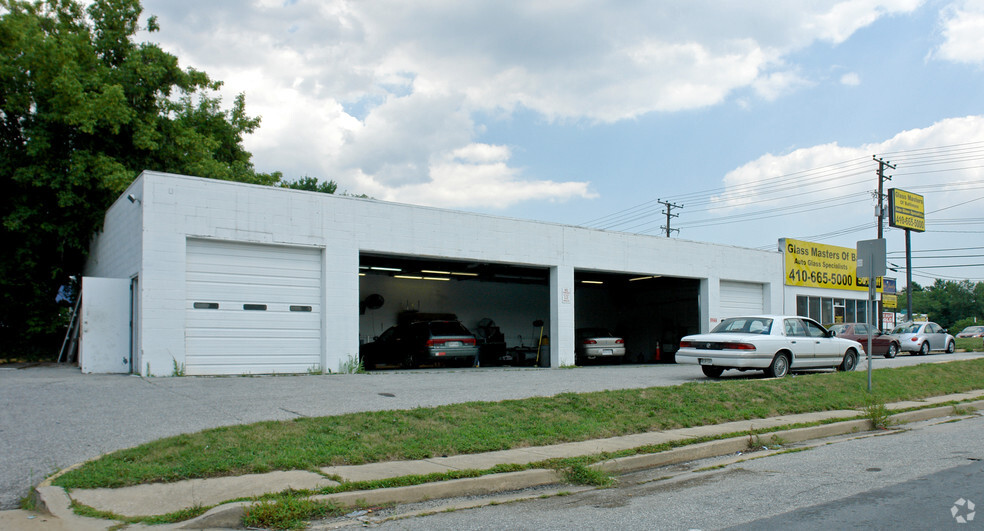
(252, 308)
(741, 298)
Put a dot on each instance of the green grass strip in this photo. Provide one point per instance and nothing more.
(312, 443)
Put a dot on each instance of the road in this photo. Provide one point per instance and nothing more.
(52, 417)
(922, 476)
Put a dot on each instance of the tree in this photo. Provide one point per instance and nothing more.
(311, 184)
(84, 109)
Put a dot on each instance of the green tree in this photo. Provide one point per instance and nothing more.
(83, 109)
(311, 184)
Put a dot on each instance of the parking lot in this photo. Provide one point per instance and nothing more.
(53, 416)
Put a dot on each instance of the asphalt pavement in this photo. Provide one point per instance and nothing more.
(52, 417)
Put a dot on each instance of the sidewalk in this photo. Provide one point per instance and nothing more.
(159, 499)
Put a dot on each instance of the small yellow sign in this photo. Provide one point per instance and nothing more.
(816, 265)
(890, 301)
(906, 210)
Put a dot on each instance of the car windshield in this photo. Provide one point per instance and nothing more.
(974, 329)
(448, 328)
(744, 325)
(912, 328)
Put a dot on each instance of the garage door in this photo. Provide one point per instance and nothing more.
(741, 298)
(252, 309)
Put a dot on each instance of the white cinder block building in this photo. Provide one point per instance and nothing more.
(199, 276)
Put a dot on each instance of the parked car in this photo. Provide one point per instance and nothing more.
(774, 344)
(881, 344)
(972, 331)
(597, 343)
(410, 344)
(922, 337)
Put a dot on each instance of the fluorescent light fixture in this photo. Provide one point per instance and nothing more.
(362, 274)
(396, 269)
(591, 282)
(435, 272)
(363, 267)
(437, 278)
(641, 278)
(410, 277)
(465, 274)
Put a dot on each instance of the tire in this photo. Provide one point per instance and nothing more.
(924, 348)
(850, 362)
(893, 350)
(779, 366)
(711, 371)
(409, 361)
(951, 347)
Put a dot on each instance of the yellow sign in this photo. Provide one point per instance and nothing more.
(815, 265)
(890, 301)
(906, 210)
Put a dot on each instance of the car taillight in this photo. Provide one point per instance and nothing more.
(739, 346)
(435, 342)
(619, 341)
(469, 341)
(686, 344)
(590, 342)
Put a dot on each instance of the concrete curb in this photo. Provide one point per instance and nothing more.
(57, 502)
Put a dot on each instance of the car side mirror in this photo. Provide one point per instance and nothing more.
(832, 333)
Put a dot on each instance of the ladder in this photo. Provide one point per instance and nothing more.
(71, 335)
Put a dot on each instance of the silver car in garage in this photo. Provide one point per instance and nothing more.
(597, 343)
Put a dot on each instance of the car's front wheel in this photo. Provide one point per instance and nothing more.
(779, 366)
(850, 362)
(711, 371)
(924, 348)
(951, 347)
(893, 350)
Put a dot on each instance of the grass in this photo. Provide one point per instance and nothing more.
(312, 443)
(971, 344)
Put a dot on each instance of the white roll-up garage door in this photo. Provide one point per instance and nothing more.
(741, 298)
(252, 309)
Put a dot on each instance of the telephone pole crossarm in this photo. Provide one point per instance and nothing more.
(669, 208)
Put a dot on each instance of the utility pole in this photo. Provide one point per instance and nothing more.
(669, 208)
(879, 308)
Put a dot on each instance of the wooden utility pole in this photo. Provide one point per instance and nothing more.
(669, 208)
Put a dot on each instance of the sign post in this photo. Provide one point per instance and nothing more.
(871, 264)
(906, 211)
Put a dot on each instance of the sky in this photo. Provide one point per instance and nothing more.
(755, 121)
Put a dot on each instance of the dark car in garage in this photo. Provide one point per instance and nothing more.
(881, 344)
(410, 344)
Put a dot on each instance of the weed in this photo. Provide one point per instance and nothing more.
(351, 365)
(879, 415)
(179, 368)
(957, 410)
(754, 441)
(777, 441)
(314, 370)
(582, 475)
(288, 511)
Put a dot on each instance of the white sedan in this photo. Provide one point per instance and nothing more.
(775, 344)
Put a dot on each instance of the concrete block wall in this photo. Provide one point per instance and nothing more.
(177, 207)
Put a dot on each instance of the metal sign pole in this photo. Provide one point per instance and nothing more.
(872, 305)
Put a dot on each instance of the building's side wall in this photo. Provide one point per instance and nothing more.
(178, 207)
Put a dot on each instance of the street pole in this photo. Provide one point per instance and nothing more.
(908, 275)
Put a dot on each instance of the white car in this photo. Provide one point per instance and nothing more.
(920, 338)
(775, 344)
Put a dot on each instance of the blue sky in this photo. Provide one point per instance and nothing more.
(759, 118)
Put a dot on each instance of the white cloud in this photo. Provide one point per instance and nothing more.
(851, 79)
(831, 170)
(963, 32)
(382, 96)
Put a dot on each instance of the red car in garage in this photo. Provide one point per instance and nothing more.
(881, 344)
